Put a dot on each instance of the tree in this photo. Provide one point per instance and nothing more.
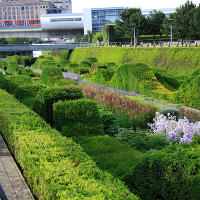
(130, 18)
(155, 22)
(183, 20)
(195, 23)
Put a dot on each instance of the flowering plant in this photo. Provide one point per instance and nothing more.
(181, 131)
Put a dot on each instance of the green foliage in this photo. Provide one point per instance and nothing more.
(24, 91)
(3, 82)
(110, 155)
(172, 173)
(3, 65)
(180, 61)
(165, 78)
(43, 62)
(50, 75)
(65, 82)
(54, 166)
(12, 65)
(81, 114)
(90, 60)
(134, 77)
(15, 81)
(189, 91)
(172, 111)
(97, 37)
(46, 97)
(25, 71)
(108, 33)
(141, 140)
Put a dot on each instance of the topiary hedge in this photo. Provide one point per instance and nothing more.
(189, 91)
(12, 65)
(46, 97)
(172, 173)
(50, 75)
(54, 166)
(14, 81)
(3, 82)
(81, 115)
(42, 62)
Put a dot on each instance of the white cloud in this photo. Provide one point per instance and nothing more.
(78, 5)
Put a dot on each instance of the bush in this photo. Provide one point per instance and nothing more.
(42, 62)
(15, 81)
(24, 91)
(172, 173)
(90, 60)
(81, 113)
(3, 65)
(65, 82)
(12, 65)
(46, 97)
(50, 75)
(141, 140)
(25, 71)
(189, 91)
(3, 82)
(54, 166)
(170, 110)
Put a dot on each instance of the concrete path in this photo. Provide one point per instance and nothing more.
(12, 184)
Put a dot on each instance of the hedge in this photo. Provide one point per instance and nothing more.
(12, 65)
(172, 173)
(46, 97)
(3, 82)
(78, 116)
(178, 60)
(55, 167)
(15, 81)
(50, 75)
(42, 62)
(25, 71)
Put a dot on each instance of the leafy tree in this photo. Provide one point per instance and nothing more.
(131, 18)
(183, 20)
(155, 22)
(195, 23)
(97, 37)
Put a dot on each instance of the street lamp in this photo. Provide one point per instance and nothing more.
(134, 32)
(171, 30)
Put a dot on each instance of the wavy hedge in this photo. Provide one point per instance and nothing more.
(54, 166)
(180, 60)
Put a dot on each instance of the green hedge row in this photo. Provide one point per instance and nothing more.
(54, 166)
(12, 65)
(177, 60)
(43, 62)
(80, 116)
(46, 97)
(172, 173)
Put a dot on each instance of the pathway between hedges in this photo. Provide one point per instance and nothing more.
(12, 184)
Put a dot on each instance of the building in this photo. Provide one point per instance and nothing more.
(95, 18)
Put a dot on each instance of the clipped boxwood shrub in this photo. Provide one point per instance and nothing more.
(24, 91)
(172, 173)
(12, 65)
(81, 115)
(50, 75)
(25, 71)
(3, 65)
(15, 81)
(46, 97)
(54, 166)
(3, 82)
(43, 62)
(189, 91)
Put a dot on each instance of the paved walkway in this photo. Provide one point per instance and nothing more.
(12, 184)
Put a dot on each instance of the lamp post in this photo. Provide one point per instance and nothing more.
(171, 30)
(134, 32)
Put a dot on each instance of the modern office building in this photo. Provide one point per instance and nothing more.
(95, 18)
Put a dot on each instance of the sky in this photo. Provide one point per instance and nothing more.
(79, 5)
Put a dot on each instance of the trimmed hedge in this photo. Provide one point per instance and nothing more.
(24, 91)
(177, 60)
(189, 91)
(46, 97)
(54, 166)
(15, 81)
(12, 65)
(172, 173)
(78, 116)
(50, 75)
(25, 71)
(42, 62)
(3, 82)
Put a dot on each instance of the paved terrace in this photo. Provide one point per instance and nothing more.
(12, 184)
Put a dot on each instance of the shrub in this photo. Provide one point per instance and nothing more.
(42, 62)
(65, 82)
(3, 82)
(25, 61)
(81, 113)
(172, 173)
(24, 91)
(46, 97)
(12, 65)
(50, 75)
(15, 81)
(54, 166)
(190, 113)
(141, 140)
(3, 65)
(90, 61)
(189, 91)
(25, 71)
(170, 110)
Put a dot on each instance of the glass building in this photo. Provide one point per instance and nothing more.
(95, 18)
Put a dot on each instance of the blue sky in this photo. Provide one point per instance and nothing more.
(78, 5)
